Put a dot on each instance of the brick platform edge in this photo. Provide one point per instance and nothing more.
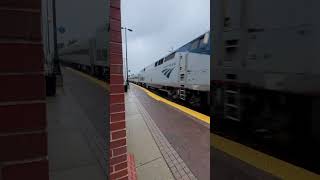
(23, 134)
(119, 162)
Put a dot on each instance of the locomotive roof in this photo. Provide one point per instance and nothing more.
(185, 48)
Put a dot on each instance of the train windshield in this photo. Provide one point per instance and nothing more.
(204, 42)
(206, 38)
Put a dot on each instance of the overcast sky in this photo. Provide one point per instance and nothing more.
(159, 25)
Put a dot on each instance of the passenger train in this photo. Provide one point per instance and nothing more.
(89, 55)
(266, 77)
(184, 74)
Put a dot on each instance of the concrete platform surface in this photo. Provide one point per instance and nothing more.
(150, 164)
(76, 145)
(188, 136)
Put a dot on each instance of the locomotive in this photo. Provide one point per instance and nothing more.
(265, 75)
(184, 74)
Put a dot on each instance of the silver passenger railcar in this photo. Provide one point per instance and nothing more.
(89, 55)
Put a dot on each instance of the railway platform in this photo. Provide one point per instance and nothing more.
(150, 163)
(167, 140)
(158, 128)
(75, 130)
(188, 134)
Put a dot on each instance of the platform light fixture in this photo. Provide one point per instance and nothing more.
(125, 32)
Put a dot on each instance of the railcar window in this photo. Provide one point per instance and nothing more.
(161, 61)
(101, 54)
(171, 56)
(82, 51)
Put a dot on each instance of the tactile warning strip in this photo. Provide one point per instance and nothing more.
(177, 166)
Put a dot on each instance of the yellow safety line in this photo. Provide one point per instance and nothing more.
(191, 112)
(97, 81)
(262, 161)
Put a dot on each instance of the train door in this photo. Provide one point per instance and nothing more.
(182, 75)
(182, 68)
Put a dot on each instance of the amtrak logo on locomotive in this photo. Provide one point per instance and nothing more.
(168, 70)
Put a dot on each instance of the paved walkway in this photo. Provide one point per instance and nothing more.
(148, 159)
(155, 158)
(75, 145)
(188, 136)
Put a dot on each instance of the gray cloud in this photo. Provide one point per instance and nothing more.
(160, 25)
